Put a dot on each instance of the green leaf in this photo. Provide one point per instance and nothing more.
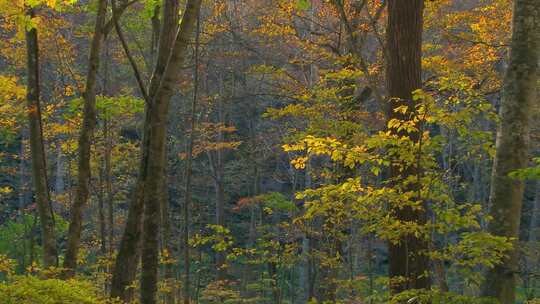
(303, 5)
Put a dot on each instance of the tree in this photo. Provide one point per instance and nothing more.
(188, 195)
(85, 141)
(520, 91)
(37, 148)
(152, 165)
(129, 252)
(155, 160)
(409, 264)
(293, 121)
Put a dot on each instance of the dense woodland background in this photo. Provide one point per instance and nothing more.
(269, 151)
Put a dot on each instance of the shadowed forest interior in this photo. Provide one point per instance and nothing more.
(269, 151)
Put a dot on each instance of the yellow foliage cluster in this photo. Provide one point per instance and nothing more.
(11, 105)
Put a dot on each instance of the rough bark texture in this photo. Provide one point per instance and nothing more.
(519, 93)
(85, 143)
(155, 163)
(409, 266)
(129, 252)
(37, 150)
(147, 193)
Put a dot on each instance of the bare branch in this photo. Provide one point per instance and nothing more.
(130, 58)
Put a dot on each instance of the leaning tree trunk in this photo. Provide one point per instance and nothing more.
(85, 142)
(519, 93)
(409, 265)
(155, 161)
(127, 259)
(37, 150)
(146, 199)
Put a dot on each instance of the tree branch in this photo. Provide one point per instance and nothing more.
(125, 46)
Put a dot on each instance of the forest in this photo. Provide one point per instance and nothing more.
(270, 151)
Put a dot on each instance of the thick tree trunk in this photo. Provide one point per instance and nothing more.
(127, 259)
(409, 265)
(85, 143)
(37, 150)
(155, 163)
(519, 93)
(146, 198)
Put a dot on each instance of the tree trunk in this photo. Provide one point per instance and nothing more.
(519, 94)
(60, 187)
(155, 161)
(409, 266)
(37, 150)
(24, 197)
(85, 143)
(219, 187)
(156, 25)
(23, 201)
(189, 167)
(220, 218)
(108, 185)
(101, 215)
(129, 252)
(534, 236)
(166, 240)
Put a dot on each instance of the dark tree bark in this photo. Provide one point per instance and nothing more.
(147, 197)
(108, 185)
(101, 215)
(85, 142)
(167, 239)
(155, 162)
(409, 265)
(127, 260)
(520, 91)
(37, 149)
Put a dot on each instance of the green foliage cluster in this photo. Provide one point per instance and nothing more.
(532, 172)
(19, 239)
(33, 290)
(42, 287)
